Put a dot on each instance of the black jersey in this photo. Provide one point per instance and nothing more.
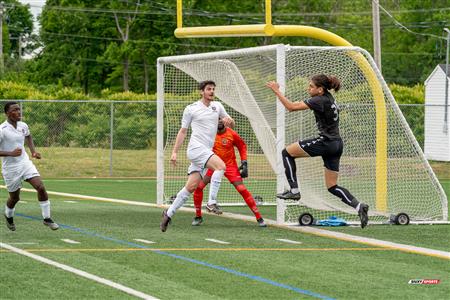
(326, 112)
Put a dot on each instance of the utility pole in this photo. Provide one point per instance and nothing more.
(19, 42)
(446, 82)
(2, 63)
(376, 33)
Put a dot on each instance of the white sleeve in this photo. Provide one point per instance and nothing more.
(1, 135)
(27, 130)
(187, 118)
(222, 112)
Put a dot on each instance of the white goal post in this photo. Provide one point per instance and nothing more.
(382, 164)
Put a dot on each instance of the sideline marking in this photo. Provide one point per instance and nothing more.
(70, 241)
(195, 261)
(144, 241)
(200, 249)
(23, 243)
(68, 201)
(342, 236)
(289, 241)
(314, 231)
(217, 241)
(78, 272)
(84, 197)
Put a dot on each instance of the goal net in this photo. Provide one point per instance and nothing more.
(382, 164)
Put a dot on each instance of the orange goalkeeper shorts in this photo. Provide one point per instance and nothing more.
(231, 173)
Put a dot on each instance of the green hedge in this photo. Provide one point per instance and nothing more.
(414, 114)
(87, 125)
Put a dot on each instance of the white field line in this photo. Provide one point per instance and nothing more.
(304, 229)
(23, 243)
(68, 201)
(144, 241)
(217, 241)
(343, 236)
(92, 198)
(70, 241)
(22, 201)
(78, 272)
(288, 241)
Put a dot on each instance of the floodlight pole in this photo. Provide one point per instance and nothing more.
(446, 82)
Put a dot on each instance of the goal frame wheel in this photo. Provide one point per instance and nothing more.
(402, 219)
(305, 219)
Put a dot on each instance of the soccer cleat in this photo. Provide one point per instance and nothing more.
(197, 221)
(363, 214)
(288, 195)
(213, 208)
(49, 222)
(261, 222)
(10, 223)
(165, 221)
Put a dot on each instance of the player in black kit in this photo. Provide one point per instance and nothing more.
(328, 144)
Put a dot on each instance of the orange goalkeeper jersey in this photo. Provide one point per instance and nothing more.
(224, 146)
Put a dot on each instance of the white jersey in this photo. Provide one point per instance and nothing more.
(10, 139)
(203, 121)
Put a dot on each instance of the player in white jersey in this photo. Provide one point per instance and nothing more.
(203, 117)
(17, 166)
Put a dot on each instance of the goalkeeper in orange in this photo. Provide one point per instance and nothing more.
(226, 140)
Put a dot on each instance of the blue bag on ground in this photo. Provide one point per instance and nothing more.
(332, 221)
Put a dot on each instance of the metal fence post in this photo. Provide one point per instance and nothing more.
(111, 139)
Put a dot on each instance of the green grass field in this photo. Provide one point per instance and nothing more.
(182, 264)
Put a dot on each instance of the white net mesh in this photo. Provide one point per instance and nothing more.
(410, 185)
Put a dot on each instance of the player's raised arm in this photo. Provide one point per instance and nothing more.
(290, 106)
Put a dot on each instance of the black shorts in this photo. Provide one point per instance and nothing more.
(330, 150)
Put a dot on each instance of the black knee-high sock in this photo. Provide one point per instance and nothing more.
(290, 169)
(344, 194)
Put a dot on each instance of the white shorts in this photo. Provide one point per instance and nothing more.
(14, 177)
(199, 157)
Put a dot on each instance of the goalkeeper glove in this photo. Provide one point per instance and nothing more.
(244, 169)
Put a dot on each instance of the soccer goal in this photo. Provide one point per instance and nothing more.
(382, 163)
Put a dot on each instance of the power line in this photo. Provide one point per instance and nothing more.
(406, 28)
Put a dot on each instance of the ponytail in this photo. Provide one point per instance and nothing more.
(328, 82)
(335, 83)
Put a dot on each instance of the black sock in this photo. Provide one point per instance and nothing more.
(344, 194)
(290, 169)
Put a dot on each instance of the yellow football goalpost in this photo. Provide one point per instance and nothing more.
(268, 29)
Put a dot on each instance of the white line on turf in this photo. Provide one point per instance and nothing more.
(23, 201)
(78, 196)
(70, 241)
(144, 241)
(68, 201)
(23, 243)
(288, 241)
(305, 229)
(217, 241)
(78, 272)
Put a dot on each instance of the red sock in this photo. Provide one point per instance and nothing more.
(198, 199)
(248, 198)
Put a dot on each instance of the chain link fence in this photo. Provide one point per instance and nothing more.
(92, 138)
(96, 138)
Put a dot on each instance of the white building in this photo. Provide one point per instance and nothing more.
(437, 132)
